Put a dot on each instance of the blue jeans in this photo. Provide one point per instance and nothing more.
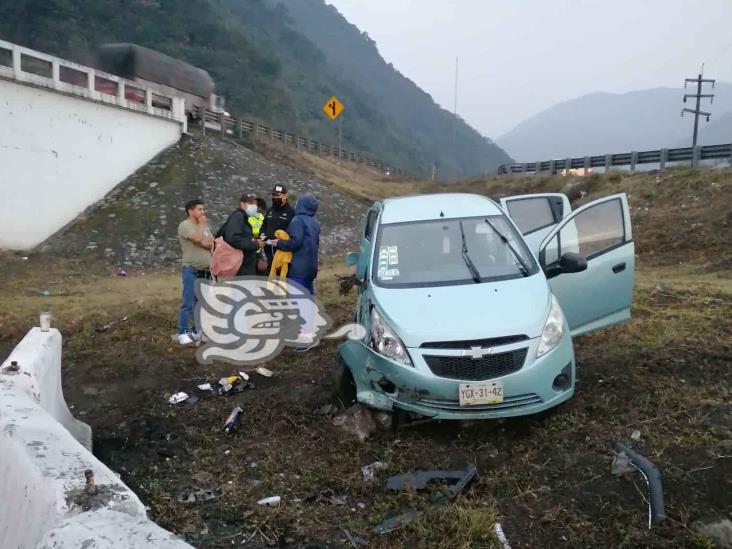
(305, 283)
(189, 276)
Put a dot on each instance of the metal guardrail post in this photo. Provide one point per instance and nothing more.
(696, 155)
(537, 167)
(552, 167)
(567, 164)
(17, 69)
(608, 162)
(222, 123)
(524, 167)
(56, 77)
(633, 160)
(588, 164)
(663, 159)
(241, 129)
(202, 110)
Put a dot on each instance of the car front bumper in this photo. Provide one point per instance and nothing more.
(386, 385)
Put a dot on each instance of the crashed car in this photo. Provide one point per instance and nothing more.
(470, 306)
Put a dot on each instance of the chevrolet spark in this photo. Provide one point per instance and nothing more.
(470, 306)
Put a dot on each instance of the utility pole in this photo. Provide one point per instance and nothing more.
(699, 80)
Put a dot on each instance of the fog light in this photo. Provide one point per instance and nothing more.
(564, 380)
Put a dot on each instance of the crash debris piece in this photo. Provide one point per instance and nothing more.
(326, 496)
(177, 398)
(205, 387)
(621, 465)
(420, 479)
(264, 372)
(272, 501)
(369, 471)
(652, 476)
(394, 523)
(502, 539)
(198, 495)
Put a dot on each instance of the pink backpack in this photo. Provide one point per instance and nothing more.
(225, 260)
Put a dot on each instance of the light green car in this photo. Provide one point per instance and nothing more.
(470, 306)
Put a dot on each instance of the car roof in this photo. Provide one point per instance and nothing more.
(437, 206)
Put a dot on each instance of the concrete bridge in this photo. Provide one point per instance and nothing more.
(68, 135)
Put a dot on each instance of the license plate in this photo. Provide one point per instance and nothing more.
(480, 393)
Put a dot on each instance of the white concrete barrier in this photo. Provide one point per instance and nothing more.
(44, 503)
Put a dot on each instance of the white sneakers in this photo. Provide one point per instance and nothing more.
(185, 339)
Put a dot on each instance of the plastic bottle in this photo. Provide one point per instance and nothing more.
(232, 419)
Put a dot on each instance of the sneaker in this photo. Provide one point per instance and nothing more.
(185, 339)
(195, 336)
(308, 348)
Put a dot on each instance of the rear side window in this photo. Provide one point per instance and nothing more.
(531, 214)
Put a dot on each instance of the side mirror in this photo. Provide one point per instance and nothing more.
(570, 262)
(352, 258)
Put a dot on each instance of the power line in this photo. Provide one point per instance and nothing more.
(699, 80)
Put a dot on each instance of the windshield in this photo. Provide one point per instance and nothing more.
(450, 251)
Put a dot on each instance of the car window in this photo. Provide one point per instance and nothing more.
(430, 253)
(531, 214)
(589, 233)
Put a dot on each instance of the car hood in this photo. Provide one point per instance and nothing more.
(466, 311)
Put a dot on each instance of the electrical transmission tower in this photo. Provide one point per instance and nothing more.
(699, 96)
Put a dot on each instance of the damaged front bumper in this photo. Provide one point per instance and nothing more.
(540, 384)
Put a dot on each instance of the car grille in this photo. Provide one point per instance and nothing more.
(490, 342)
(513, 402)
(477, 369)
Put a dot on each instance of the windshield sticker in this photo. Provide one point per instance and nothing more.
(388, 274)
(383, 258)
(393, 255)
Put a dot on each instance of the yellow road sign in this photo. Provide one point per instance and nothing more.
(333, 108)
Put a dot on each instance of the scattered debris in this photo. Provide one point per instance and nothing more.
(656, 510)
(355, 542)
(230, 424)
(45, 293)
(272, 501)
(108, 326)
(326, 496)
(244, 376)
(635, 435)
(90, 488)
(394, 523)
(346, 283)
(205, 387)
(502, 539)
(720, 533)
(621, 465)
(369, 471)
(199, 495)
(264, 372)
(177, 398)
(121, 272)
(356, 421)
(419, 480)
(328, 410)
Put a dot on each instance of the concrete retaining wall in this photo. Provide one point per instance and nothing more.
(61, 153)
(44, 453)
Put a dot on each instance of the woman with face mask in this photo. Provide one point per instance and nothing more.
(239, 233)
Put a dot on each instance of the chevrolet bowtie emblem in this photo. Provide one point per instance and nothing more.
(477, 352)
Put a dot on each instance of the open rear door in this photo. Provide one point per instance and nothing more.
(536, 214)
(601, 295)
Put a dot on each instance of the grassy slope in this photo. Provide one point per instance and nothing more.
(546, 478)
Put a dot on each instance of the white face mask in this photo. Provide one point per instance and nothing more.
(251, 209)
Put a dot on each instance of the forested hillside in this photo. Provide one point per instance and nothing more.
(275, 62)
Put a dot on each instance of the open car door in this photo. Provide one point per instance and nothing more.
(600, 295)
(536, 214)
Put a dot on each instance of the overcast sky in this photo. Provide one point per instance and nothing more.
(517, 57)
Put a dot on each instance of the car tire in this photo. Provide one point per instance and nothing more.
(344, 387)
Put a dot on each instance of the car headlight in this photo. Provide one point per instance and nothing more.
(385, 342)
(553, 329)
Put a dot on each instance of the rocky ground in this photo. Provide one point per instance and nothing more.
(135, 225)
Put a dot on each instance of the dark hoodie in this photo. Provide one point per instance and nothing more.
(304, 231)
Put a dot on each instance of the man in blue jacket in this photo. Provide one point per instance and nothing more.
(304, 231)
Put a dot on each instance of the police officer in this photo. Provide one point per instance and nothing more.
(278, 217)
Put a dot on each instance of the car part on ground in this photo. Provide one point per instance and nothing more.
(656, 509)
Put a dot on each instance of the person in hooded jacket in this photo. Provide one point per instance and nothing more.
(304, 231)
(277, 217)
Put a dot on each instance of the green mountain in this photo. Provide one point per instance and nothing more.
(274, 61)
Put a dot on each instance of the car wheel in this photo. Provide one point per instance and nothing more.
(344, 387)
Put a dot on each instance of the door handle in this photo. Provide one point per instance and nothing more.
(619, 267)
